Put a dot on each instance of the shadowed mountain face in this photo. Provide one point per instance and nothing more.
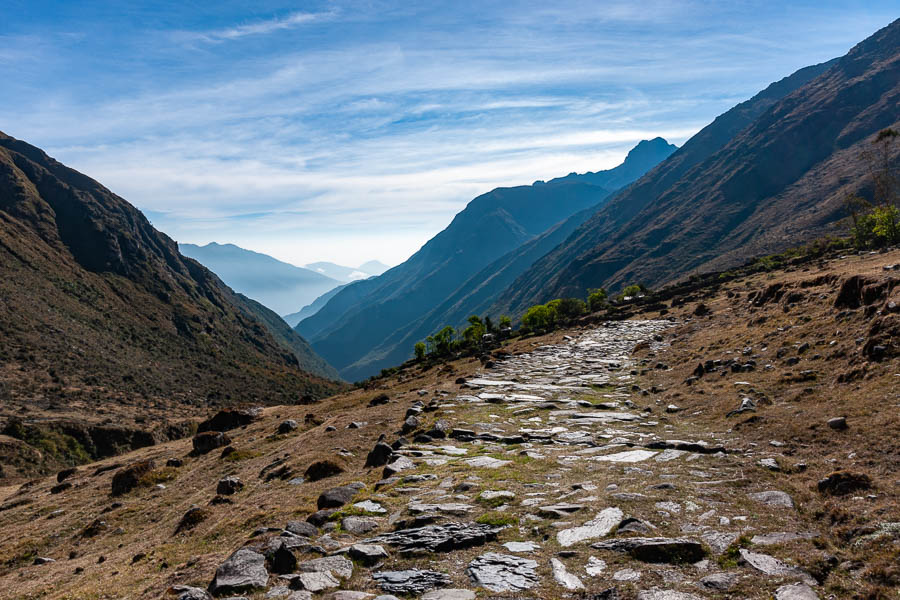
(98, 306)
(771, 173)
(312, 308)
(280, 286)
(366, 326)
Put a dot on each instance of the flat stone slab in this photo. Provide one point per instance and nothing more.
(595, 566)
(796, 591)
(656, 550)
(563, 577)
(502, 572)
(666, 595)
(487, 462)
(411, 581)
(599, 526)
(493, 494)
(448, 508)
(438, 538)
(772, 566)
(338, 565)
(370, 507)
(521, 546)
(774, 498)
(767, 539)
(629, 456)
(449, 594)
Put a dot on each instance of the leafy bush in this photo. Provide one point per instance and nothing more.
(597, 299)
(540, 317)
(420, 350)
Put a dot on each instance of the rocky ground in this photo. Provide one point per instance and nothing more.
(738, 443)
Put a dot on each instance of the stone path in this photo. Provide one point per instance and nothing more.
(554, 474)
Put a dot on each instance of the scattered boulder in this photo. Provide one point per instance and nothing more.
(287, 426)
(302, 528)
(322, 469)
(838, 423)
(281, 559)
(186, 592)
(65, 474)
(243, 571)
(774, 498)
(841, 483)
(719, 582)
(772, 566)
(368, 554)
(175, 463)
(502, 572)
(230, 418)
(193, 517)
(339, 496)
(208, 441)
(229, 485)
(129, 477)
(656, 550)
(62, 487)
(358, 525)
(379, 456)
(379, 400)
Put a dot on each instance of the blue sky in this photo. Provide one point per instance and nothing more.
(349, 131)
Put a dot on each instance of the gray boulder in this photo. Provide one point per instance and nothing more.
(244, 570)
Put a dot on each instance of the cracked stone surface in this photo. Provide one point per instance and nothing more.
(502, 572)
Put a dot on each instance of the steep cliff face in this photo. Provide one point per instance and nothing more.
(98, 309)
(770, 173)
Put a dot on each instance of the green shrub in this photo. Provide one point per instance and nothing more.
(597, 299)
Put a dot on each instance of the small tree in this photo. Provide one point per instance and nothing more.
(631, 290)
(443, 341)
(597, 299)
(476, 329)
(568, 309)
(505, 322)
(489, 325)
(886, 225)
(539, 318)
(420, 351)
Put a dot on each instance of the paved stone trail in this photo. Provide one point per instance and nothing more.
(559, 476)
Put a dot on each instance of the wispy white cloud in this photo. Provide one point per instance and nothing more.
(363, 136)
(264, 27)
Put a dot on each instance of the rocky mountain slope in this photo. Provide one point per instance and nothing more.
(280, 286)
(351, 329)
(102, 320)
(767, 175)
(736, 440)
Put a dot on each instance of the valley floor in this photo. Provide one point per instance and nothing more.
(688, 453)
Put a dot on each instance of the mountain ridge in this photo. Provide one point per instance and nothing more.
(125, 320)
(753, 194)
(358, 320)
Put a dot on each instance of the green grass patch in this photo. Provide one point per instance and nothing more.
(729, 558)
(497, 519)
(239, 455)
